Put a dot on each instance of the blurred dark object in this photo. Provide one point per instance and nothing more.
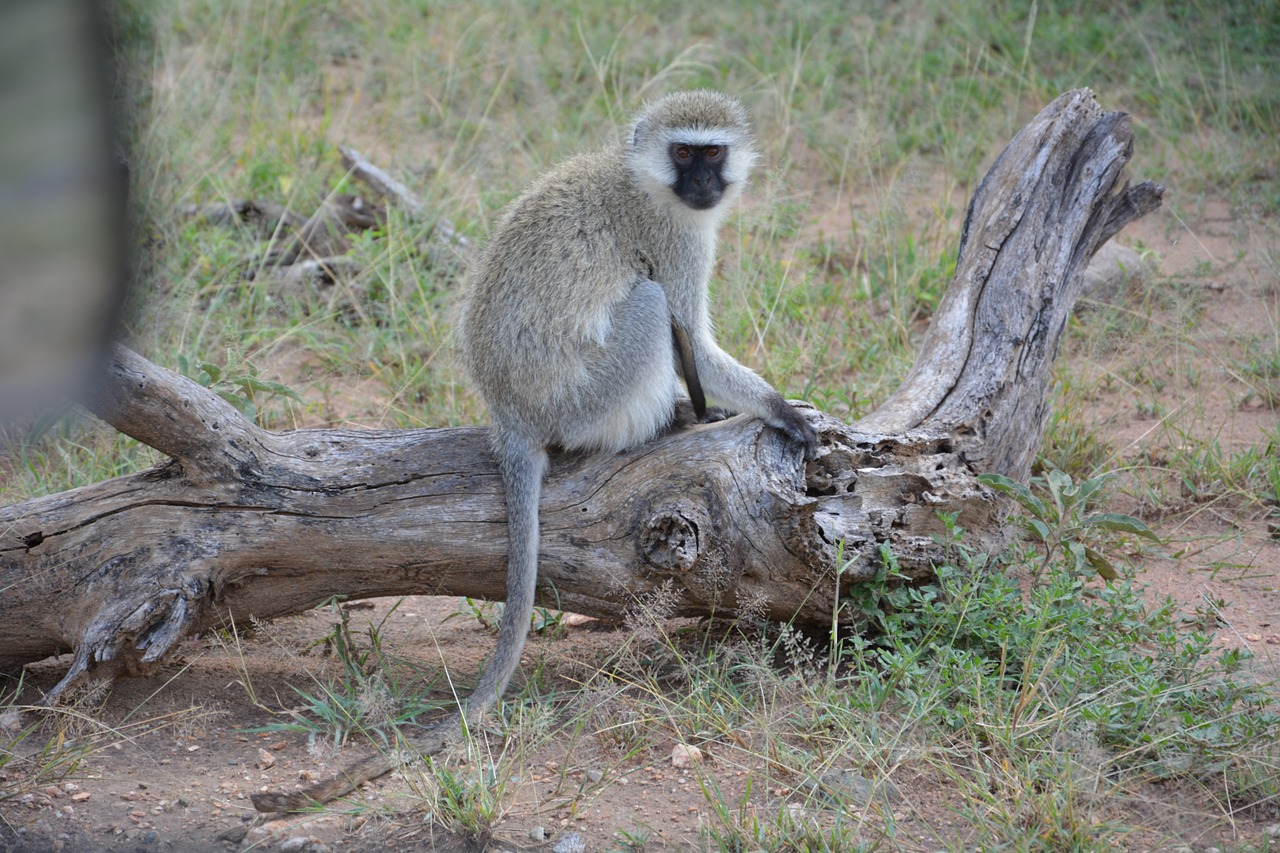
(63, 182)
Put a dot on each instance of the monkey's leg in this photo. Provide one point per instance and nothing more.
(740, 389)
(631, 388)
(686, 417)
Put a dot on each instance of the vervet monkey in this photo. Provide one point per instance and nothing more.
(590, 304)
(582, 316)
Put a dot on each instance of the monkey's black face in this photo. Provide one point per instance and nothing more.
(699, 174)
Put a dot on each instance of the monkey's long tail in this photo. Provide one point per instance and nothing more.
(523, 465)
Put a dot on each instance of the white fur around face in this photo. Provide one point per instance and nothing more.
(655, 130)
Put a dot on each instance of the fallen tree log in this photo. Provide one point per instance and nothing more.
(241, 522)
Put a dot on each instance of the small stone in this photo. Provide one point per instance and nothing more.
(1272, 831)
(11, 721)
(846, 788)
(80, 797)
(538, 834)
(570, 842)
(683, 755)
(295, 844)
(265, 760)
(1253, 638)
(594, 776)
(235, 834)
(1107, 275)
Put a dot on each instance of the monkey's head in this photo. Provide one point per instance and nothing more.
(695, 146)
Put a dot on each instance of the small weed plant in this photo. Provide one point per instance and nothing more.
(370, 696)
(1058, 517)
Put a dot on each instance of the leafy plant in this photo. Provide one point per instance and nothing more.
(238, 381)
(1058, 517)
(369, 698)
(489, 613)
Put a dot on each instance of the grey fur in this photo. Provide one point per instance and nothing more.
(567, 327)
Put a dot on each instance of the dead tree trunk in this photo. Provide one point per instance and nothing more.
(242, 522)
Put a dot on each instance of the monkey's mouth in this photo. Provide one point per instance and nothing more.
(701, 201)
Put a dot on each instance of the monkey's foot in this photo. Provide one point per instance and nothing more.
(686, 417)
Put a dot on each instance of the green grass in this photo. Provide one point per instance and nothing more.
(1042, 711)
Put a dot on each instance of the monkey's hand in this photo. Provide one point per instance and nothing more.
(787, 418)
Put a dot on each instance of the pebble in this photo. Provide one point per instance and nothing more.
(570, 842)
(683, 755)
(844, 787)
(234, 834)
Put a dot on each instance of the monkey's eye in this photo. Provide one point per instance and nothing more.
(713, 152)
(683, 153)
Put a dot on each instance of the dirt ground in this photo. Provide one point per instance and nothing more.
(181, 777)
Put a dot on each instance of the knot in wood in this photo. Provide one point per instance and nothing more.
(670, 543)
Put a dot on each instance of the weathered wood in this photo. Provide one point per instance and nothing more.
(242, 522)
(248, 523)
(1051, 199)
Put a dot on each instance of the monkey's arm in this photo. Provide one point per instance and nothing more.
(739, 388)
